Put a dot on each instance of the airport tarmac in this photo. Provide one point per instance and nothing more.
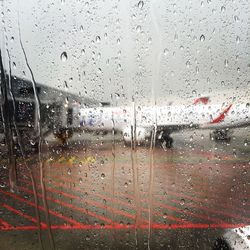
(103, 195)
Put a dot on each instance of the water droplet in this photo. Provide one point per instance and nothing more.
(69, 171)
(83, 52)
(64, 57)
(223, 8)
(119, 67)
(226, 63)
(165, 52)
(182, 202)
(236, 19)
(98, 39)
(188, 64)
(138, 28)
(32, 142)
(237, 39)
(81, 28)
(140, 4)
(102, 175)
(2, 185)
(202, 38)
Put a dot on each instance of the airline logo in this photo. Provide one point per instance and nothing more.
(221, 116)
(203, 100)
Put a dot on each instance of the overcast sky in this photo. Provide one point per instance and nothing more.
(153, 49)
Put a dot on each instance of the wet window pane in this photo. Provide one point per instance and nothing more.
(124, 124)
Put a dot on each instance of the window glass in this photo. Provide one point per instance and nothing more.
(124, 124)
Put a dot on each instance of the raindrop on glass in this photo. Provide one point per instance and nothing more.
(226, 63)
(236, 19)
(140, 4)
(64, 57)
(2, 185)
(202, 38)
(165, 52)
(98, 39)
(138, 28)
(223, 8)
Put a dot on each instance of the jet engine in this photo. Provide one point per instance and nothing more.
(139, 134)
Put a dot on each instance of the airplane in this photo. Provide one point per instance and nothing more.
(64, 114)
(139, 122)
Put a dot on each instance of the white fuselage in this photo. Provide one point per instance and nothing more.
(171, 117)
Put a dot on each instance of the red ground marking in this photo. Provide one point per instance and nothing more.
(227, 214)
(124, 203)
(210, 155)
(26, 216)
(176, 209)
(182, 211)
(111, 209)
(79, 209)
(40, 207)
(179, 210)
(200, 200)
(126, 227)
(96, 204)
(204, 208)
(212, 194)
(4, 224)
(230, 215)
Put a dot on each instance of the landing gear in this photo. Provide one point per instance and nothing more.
(166, 140)
(220, 135)
(63, 135)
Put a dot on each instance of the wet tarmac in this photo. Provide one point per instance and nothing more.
(103, 195)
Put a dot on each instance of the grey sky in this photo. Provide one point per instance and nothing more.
(124, 47)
